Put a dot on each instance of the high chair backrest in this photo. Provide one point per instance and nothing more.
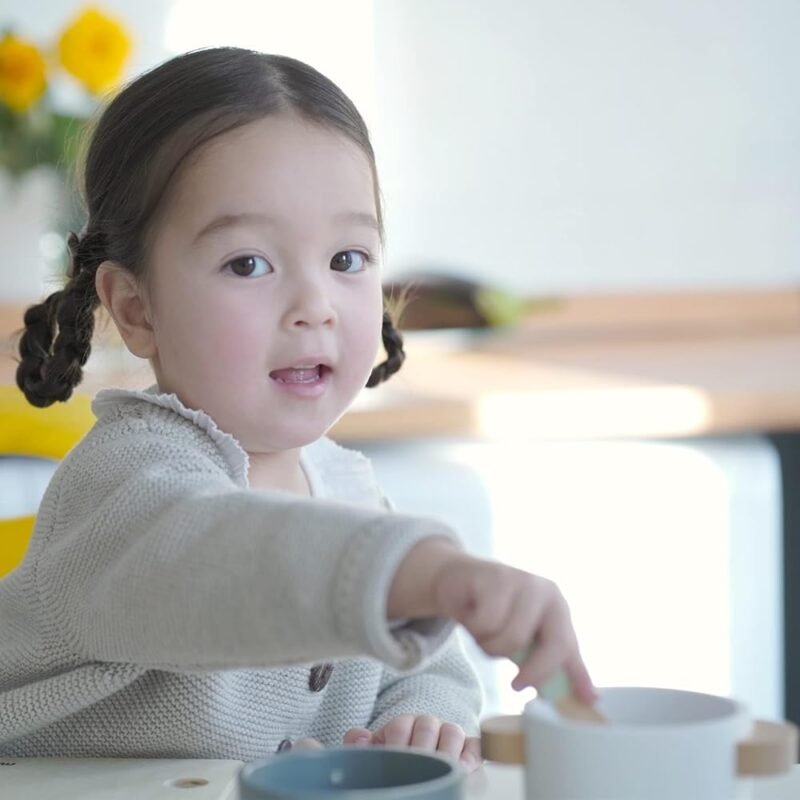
(27, 432)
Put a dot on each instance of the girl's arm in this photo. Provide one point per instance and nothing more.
(170, 565)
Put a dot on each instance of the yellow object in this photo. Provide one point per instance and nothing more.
(94, 49)
(39, 432)
(14, 537)
(22, 73)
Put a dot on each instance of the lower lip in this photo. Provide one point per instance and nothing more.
(306, 388)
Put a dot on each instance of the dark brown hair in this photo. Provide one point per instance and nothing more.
(142, 139)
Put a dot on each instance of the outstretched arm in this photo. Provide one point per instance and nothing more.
(178, 568)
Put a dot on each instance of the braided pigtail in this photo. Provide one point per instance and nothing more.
(393, 344)
(57, 339)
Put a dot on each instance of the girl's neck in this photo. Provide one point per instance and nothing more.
(280, 470)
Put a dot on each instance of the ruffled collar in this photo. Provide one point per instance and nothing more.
(234, 454)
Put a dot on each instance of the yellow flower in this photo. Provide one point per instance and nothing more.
(94, 49)
(22, 73)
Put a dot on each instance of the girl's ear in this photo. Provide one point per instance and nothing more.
(122, 296)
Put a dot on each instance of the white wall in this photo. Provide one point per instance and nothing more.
(551, 145)
(334, 37)
(562, 145)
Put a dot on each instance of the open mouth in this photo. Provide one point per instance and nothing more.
(302, 375)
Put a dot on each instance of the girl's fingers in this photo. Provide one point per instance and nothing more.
(451, 740)
(357, 736)
(398, 731)
(425, 732)
(516, 631)
(582, 685)
(486, 617)
(306, 744)
(471, 756)
(556, 647)
(547, 658)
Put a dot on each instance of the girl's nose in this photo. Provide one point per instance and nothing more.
(310, 308)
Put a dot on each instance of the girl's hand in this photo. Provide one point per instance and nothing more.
(307, 744)
(425, 732)
(505, 609)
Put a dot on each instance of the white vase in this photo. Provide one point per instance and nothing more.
(31, 248)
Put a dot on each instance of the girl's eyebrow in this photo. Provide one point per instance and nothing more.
(362, 218)
(230, 221)
(357, 218)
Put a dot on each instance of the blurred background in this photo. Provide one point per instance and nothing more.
(597, 206)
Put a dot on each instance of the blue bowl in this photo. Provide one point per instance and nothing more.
(353, 773)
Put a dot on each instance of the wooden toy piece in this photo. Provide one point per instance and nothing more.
(558, 692)
(770, 749)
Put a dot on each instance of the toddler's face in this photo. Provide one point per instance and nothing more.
(266, 305)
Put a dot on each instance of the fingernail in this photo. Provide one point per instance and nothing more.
(470, 763)
(361, 741)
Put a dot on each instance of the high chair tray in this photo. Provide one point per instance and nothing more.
(143, 779)
(117, 779)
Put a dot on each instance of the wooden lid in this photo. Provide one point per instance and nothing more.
(502, 740)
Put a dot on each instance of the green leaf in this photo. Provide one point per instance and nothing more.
(67, 132)
(500, 308)
(31, 140)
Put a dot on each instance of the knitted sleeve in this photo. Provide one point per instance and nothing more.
(446, 687)
(162, 561)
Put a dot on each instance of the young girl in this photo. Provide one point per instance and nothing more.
(211, 577)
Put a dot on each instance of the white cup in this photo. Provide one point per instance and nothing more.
(659, 744)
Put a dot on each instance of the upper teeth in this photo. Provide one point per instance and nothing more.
(306, 366)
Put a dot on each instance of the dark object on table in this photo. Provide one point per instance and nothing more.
(436, 300)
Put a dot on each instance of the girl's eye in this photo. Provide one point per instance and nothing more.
(350, 261)
(249, 266)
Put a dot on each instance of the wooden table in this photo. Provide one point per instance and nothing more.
(634, 366)
(630, 366)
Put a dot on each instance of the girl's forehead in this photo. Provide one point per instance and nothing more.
(281, 146)
(280, 164)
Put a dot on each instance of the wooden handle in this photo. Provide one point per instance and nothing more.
(502, 740)
(770, 750)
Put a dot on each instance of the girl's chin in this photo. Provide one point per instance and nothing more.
(290, 437)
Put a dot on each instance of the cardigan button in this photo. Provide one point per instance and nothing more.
(319, 676)
(286, 744)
